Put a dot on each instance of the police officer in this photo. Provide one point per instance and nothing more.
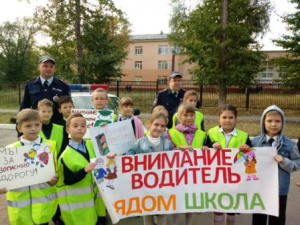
(171, 97)
(46, 85)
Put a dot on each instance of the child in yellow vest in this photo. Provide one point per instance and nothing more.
(191, 97)
(226, 135)
(51, 131)
(24, 207)
(186, 135)
(76, 188)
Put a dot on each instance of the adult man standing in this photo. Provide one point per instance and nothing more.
(171, 97)
(46, 85)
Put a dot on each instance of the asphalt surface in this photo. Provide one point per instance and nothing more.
(8, 136)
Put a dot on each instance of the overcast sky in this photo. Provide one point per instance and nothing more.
(149, 16)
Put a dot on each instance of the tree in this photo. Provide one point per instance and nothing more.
(89, 40)
(18, 55)
(291, 42)
(220, 38)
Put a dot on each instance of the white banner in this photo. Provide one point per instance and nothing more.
(115, 137)
(89, 114)
(25, 165)
(171, 182)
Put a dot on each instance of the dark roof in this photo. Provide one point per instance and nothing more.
(141, 37)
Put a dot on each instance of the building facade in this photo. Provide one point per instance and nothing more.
(150, 59)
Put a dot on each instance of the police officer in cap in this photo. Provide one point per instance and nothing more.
(171, 97)
(46, 85)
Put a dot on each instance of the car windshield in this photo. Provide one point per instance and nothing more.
(84, 102)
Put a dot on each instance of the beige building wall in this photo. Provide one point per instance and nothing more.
(150, 57)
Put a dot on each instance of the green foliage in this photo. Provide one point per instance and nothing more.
(102, 36)
(18, 56)
(291, 42)
(224, 55)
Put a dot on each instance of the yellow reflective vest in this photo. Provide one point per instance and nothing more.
(34, 204)
(178, 138)
(78, 202)
(198, 119)
(57, 135)
(235, 142)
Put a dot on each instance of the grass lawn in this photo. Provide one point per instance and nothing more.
(5, 117)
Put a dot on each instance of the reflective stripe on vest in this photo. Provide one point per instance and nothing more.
(198, 119)
(21, 204)
(78, 205)
(75, 191)
(79, 196)
(235, 141)
(178, 138)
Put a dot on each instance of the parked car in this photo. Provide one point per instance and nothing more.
(83, 100)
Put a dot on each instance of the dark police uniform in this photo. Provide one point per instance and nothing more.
(170, 101)
(35, 91)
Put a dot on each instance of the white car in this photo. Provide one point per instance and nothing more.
(83, 100)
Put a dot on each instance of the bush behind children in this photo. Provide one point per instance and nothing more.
(76, 193)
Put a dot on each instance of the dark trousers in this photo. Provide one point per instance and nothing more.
(261, 219)
(102, 220)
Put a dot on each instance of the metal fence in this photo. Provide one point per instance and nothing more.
(256, 97)
(144, 93)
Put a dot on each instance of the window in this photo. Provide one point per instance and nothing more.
(163, 50)
(267, 71)
(164, 65)
(175, 49)
(138, 50)
(138, 65)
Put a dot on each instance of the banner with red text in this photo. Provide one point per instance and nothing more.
(225, 180)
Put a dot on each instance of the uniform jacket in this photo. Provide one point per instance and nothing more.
(34, 92)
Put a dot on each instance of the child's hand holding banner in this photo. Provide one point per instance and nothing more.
(25, 165)
(171, 182)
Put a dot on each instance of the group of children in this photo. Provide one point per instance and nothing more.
(73, 198)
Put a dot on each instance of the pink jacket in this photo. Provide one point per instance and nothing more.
(139, 129)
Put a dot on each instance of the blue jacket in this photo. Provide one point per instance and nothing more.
(143, 145)
(34, 92)
(285, 147)
(169, 101)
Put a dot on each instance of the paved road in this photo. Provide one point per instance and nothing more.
(293, 209)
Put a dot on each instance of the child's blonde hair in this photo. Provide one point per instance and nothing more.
(157, 115)
(126, 101)
(72, 116)
(273, 112)
(100, 90)
(189, 94)
(45, 102)
(186, 108)
(26, 115)
(160, 109)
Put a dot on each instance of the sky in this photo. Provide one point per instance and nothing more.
(149, 16)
